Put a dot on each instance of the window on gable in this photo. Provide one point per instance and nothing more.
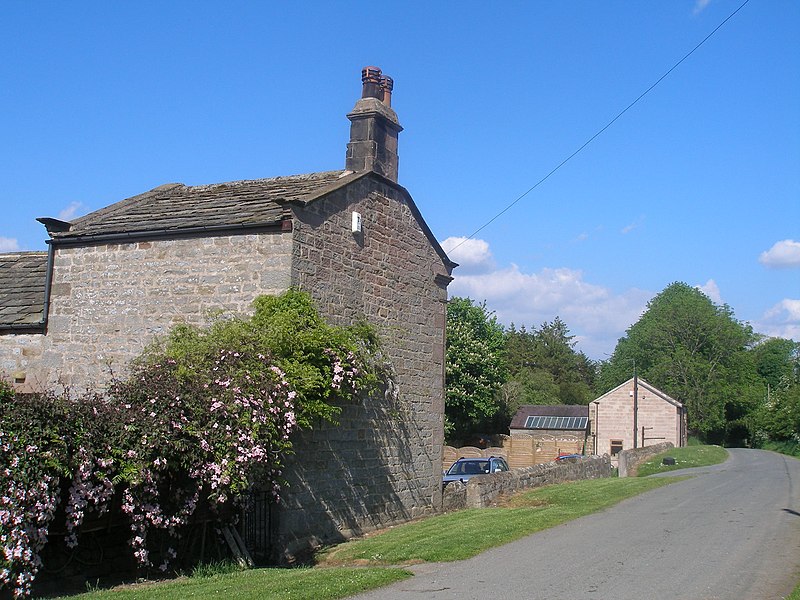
(616, 447)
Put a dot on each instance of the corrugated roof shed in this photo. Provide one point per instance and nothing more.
(22, 285)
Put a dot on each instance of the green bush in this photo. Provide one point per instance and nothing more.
(202, 417)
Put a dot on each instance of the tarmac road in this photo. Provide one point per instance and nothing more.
(731, 532)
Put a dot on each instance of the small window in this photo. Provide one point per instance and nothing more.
(616, 447)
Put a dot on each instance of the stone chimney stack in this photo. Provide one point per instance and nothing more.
(374, 127)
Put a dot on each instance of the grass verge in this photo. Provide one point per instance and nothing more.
(463, 534)
(788, 447)
(685, 458)
(261, 584)
(359, 565)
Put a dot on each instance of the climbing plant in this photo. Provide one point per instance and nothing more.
(201, 417)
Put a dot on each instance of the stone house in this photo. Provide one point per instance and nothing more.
(635, 414)
(353, 238)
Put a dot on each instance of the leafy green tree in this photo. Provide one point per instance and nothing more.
(777, 414)
(692, 349)
(545, 368)
(475, 367)
(777, 361)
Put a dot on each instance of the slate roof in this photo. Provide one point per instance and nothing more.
(22, 284)
(175, 207)
(558, 410)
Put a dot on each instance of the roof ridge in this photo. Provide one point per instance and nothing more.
(262, 179)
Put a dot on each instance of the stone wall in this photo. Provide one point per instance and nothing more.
(382, 463)
(110, 300)
(483, 490)
(629, 460)
(19, 355)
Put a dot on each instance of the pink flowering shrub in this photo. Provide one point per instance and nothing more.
(201, 418)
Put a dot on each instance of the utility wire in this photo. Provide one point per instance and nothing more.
(609, 124)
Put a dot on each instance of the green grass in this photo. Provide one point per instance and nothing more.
(261, 584)
(788, 447)
(465, 533)
(690, 456)
(359, 565)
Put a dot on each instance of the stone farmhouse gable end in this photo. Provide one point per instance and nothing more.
(113, 280)
(658, 418)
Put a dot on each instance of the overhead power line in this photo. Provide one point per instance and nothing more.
(602, 130)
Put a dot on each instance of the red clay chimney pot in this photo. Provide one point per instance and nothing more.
(371, 83)
(387, 84)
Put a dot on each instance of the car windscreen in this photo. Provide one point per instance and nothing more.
(471, 467)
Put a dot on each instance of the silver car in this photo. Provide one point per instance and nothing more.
(464, 468)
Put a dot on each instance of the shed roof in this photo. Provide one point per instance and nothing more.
(174, 207)
(22, 285)
(555, 410)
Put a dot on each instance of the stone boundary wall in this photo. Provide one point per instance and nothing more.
(483, 490)
(629, 460)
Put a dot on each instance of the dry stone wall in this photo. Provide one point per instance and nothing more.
(629, 460)
(483, 490)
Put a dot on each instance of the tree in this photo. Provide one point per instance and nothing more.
(693, 350)
(475, 367)
(544, 367)
(777, 360)
(777, 414)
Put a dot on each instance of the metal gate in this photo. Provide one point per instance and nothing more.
(255, 526)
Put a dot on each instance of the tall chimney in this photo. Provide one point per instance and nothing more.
(374, 127)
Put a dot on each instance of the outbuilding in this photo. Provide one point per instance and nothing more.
(635, 414)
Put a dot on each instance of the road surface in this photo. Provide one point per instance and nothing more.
(732, 532)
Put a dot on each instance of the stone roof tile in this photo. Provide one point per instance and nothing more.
(22, 283)
(176, 207)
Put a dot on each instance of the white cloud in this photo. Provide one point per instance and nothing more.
(711, 289)
(700, 6)
(594, 314)
(635, 225)
(782, 320)
(8, 244)
(473, 256)
(70, 211)
(783, 254)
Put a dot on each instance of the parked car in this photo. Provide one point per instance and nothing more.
(569, 457)
(464, 468)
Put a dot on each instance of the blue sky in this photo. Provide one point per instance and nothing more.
(699, 182)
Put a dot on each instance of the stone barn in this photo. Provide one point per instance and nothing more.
(353, 238)
(633, 415)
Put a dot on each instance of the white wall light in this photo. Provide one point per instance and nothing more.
(356, 223)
